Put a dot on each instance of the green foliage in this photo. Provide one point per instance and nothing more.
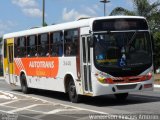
(154, 23)
(143, 8)
(122, 11)
(156, 49)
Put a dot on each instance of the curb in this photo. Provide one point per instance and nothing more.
(1, 77)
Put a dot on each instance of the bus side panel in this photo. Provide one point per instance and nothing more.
(5, 70)
(47, 73)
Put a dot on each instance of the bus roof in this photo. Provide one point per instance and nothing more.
(63, 26)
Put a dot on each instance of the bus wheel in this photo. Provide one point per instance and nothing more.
(121, 96)
(24, 85)
(73, 96)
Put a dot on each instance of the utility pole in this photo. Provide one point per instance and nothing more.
(104, 2)
(43, 13)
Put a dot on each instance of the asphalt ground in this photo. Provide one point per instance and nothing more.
(49, 105)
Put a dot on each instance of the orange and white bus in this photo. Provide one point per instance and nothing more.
(94, 56)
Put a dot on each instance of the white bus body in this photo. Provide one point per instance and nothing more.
(87, 72)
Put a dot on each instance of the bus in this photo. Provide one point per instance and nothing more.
(90, 57)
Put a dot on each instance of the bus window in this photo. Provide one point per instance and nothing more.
(20, 47)
(43, 45)
(71, 42)
(31, 46)
(56, 44)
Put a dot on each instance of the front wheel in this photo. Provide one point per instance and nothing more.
(24, 85)
(121, 96)
(73, 96)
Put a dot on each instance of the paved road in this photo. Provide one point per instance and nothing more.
(47, 105)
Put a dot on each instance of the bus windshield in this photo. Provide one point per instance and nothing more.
(122, 49)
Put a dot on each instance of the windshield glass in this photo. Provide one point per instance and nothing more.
(122, 49)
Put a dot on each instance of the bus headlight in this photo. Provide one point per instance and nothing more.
(101, 79)
(104, 78)
(148, 76)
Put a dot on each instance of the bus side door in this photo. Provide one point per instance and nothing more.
(86, 64)
(10, 69)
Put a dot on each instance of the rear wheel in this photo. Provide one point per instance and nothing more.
(24, 85)
(73, 96)
(121, 96)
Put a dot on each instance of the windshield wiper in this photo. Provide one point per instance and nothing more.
(133, 37)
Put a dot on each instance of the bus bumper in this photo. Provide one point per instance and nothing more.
(104, 89)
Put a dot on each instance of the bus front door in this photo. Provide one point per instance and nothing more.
(86, 64)
(10, 60)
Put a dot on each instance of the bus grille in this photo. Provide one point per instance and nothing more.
(124, 87)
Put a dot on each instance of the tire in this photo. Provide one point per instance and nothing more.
(24, 85)
(121, 96)
(73, 96)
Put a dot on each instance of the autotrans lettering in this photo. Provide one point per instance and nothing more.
(41, 64)
(46, 67)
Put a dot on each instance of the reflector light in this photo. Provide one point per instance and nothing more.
(148, 85)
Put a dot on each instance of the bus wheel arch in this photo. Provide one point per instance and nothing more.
(24, 85)
(70, 89)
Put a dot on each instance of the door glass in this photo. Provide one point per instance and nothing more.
(88, 42)
(84, 50)
(10, 48)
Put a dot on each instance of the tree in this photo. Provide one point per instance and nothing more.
(142, 8)
(156, 49)
(154, 23)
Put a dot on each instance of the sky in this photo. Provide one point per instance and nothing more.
(17, 15)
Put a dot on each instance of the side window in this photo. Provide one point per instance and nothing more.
(32, 46)
(43, 45)
(56, 44)
(20, 47)
(71, 42)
